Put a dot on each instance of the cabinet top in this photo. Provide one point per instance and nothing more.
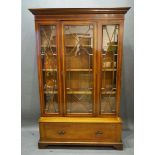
(65, 11)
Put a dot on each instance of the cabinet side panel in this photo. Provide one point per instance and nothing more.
(119, 62)
(39, 68)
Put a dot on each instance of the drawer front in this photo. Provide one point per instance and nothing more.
(80, 132)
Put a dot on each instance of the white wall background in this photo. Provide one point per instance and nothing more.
(29, 85)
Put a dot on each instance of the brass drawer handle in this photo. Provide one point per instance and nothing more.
(99, 132)
(61, 132)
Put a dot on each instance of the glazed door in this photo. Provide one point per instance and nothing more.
(48, 62)
(109, 68)
(78, 65)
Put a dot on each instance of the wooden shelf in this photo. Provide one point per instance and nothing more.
(48, 47)
(82, 70)
(51, 92)
(107, 53)
(85, 46)
(79, 92)
(49, 70)
(111, 45)
(109, 69)
(104, 88)
(108, 92)
(72, 112)
(52, 54)
(79, 70)
(88, 92)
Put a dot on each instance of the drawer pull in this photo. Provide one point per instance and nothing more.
(99, 132)
(61, 132)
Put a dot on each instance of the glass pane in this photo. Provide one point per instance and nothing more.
(49, 67)
(78, 41)
(109, 68)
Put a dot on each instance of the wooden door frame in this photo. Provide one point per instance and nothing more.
(80, 22)
(39, 62)
(119, 65)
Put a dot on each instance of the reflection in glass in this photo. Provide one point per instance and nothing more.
(49, 66)
(78, 62)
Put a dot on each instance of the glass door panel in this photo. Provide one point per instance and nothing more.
(78, 51)
(49, 67)
(109, 68)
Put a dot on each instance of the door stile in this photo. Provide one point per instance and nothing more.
(63, 69)
(60, 78)
(99, 68)
(119, 66)
(95, 71)
(40, 79)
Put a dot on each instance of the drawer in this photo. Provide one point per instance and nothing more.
(105, 132)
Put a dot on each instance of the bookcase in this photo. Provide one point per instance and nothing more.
(79, 54)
